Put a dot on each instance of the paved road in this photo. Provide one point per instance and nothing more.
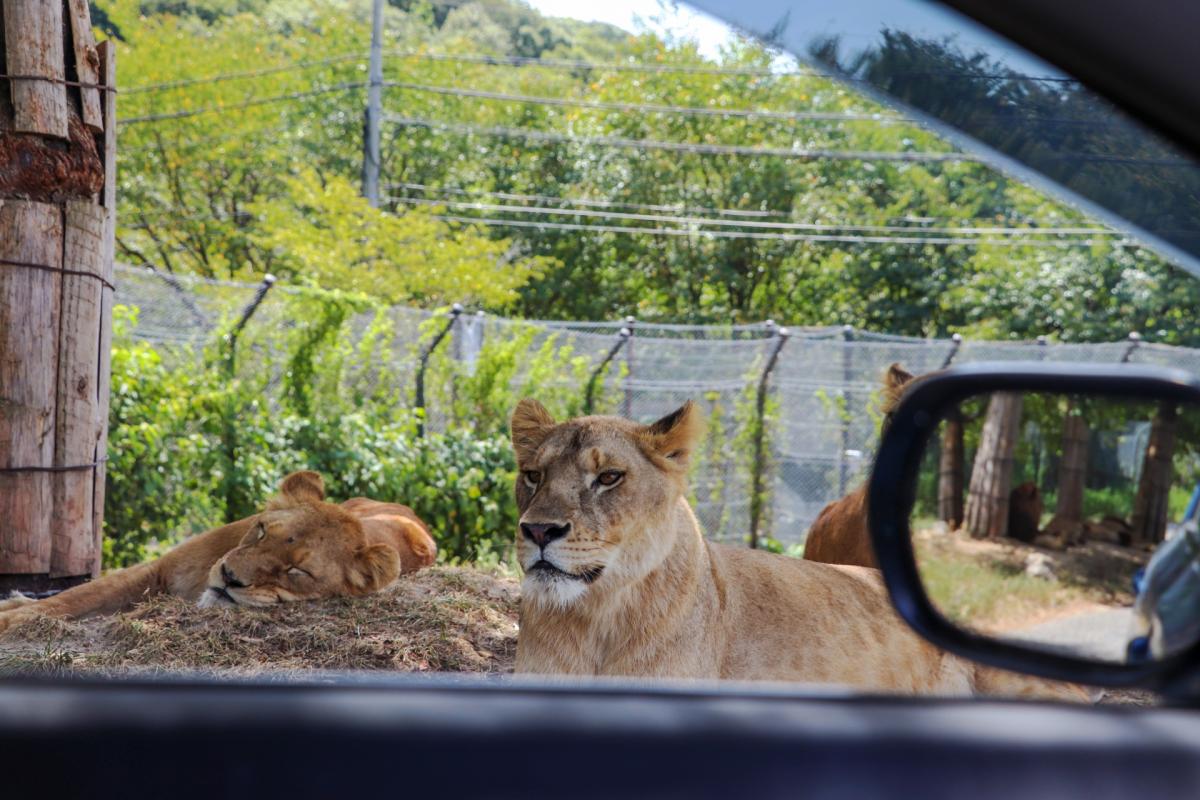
(1098, 634)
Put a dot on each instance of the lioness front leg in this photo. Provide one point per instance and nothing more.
(110, 593)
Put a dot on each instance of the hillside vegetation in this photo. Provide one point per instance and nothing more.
(241, 155)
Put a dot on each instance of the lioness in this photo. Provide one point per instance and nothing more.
(619, 581)
(839, 533)
(299, 548)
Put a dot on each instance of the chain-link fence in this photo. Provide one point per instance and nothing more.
(818, 416)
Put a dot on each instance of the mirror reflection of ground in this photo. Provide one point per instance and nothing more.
(1080, 595)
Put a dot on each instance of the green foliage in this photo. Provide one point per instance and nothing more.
(160, 482)
(223, 193)
(191, 446)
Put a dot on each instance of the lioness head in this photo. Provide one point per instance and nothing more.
(588, 490)
(300, 548)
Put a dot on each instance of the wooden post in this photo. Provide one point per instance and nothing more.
(1072, 468)
(29, 306)
(1149, 521)
(950, 472)
(56, 248)
(991, 476)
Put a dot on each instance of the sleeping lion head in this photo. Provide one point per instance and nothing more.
(300, 548)
(588, 490)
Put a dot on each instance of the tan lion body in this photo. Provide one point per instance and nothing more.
(632, 588)
(351, 549)
(839, 533)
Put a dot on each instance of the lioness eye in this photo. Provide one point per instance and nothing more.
(609, 477)
(296, 572)
(533, 477)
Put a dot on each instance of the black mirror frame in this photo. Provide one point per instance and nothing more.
(892, 494)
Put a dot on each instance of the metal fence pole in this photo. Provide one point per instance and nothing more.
(419, 401)
(844, 411)
(260, 294)
(589, 396)
(956, 342)
(229, 437)
(760, 405)
(1135, 340)
(629, 326)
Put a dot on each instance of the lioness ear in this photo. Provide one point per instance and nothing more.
(531, 423)
(893, 387)
(374, 567)
(303, 487)
(675, 436)
(896, 377)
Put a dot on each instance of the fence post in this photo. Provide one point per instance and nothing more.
(1135, 340)
(630, 321)
(229, 437)
(232, 338)
(623, 336)
(419, 401)
(956, 342)
(780, 336)
(843, 467)
(951, 459)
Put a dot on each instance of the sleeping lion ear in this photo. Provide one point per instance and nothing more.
(675, 436)
(374, 567)
(303, 487)
(531, 424)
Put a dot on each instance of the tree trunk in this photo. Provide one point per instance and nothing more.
(57, 160)
(1149, 521)
(991, 476)
(1072, 468)
(950, 473)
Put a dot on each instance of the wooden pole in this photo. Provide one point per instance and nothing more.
(1072, 468)
(991, 476)
(950, 472)
(1149, 520)
(57, 193)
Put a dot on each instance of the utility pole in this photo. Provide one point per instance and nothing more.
(374, 108)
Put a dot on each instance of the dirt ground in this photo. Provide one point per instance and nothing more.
(443, 619)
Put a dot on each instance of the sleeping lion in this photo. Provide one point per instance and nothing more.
(299, 548)
(619, 581)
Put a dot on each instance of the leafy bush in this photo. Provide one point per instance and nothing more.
(191, 447)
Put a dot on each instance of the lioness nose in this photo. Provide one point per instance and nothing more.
(229, 578)
(543, 533)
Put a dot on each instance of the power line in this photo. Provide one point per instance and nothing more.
(779, 237)
(808, 154)
(296, 66)
(258, 101)
(802, 226)
(545, 198)
(551, 63)
(650, 107)
(679, 208)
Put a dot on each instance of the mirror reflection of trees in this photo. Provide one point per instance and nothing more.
(1036, 511)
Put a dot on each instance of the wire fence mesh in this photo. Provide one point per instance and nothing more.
(821, 421)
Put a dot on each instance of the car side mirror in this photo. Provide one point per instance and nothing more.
(1042, 518)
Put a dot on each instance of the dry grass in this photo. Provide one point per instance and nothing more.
(444, 619)
(983, 583)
